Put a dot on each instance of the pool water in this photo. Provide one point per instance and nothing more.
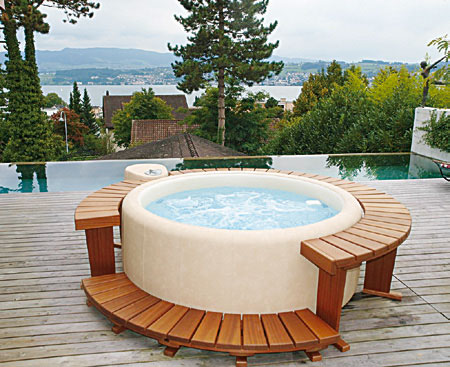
(241, 208)
(93, 175)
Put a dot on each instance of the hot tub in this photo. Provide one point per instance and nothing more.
(230, 271)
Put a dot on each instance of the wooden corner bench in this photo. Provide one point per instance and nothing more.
(374, 239)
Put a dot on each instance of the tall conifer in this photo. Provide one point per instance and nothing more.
(227, 42)
(87, 117)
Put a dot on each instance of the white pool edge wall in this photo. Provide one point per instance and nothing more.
(229, 271)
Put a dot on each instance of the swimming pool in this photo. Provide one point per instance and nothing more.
(93, 175)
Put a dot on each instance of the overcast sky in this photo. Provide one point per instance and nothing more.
(348, 30)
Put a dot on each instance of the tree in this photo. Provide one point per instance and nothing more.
(75, 103)
(30, 136)
(143, 106)
(228, 42)
(247, 120)
(75, 129)
(318, 86)
(52, 99)
(87, 117)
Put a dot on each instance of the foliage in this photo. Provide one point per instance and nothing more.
(75, 103)
(87, 117)
(318, 86)
(28, 134)
(441, 44)
(356, 118)
(75, 129)
(247, 120)
(53, 99)
(227, 43)
(143, 106)
(437, 132)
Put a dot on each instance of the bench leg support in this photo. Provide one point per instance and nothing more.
(330, 295)
(241, 362)
(379, 276)
(314, 356)
(171, 351)
(342, 346)
(100, 243)
(117, 329)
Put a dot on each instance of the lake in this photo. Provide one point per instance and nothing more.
(96, 92)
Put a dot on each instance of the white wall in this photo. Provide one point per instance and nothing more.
(418, 146)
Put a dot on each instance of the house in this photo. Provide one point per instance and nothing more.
(113, 103)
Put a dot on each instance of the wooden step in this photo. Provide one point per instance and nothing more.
(127, 306)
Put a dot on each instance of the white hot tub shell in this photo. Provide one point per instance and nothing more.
(231, 271)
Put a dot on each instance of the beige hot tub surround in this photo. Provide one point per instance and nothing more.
(373, 239)
(230, 271)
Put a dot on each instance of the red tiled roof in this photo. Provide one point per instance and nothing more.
(146, 131)
(113, 103)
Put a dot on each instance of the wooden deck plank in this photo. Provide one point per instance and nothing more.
(230, 332)
(299, 332)
(184, 330)
(382, 331)
(253, 333)
(206, 334)
(277, 336)
(322, 330)
(164, 324)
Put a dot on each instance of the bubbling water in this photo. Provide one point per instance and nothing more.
(241, 208)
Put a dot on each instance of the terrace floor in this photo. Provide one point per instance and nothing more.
(44, 320)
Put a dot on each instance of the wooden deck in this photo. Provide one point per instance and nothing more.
(44, 320)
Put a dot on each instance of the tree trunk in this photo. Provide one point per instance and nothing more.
(221, 103)
(221, 82)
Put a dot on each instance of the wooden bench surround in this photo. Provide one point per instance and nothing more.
(374, 240)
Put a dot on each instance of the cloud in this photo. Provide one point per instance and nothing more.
(348, 30)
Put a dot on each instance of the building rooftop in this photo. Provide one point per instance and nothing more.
(113, 103)
(177, 146)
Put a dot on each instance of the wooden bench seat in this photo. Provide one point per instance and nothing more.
(373, 239)
(129, 307)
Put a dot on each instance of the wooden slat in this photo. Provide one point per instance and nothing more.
(297, 329)
(184, 330)
(150, 315)
(374, 246)
(397, 227)
(380, 217)
(384, 231)
(277, 336)
(121, 302)
(360, 253)
(88, 282)
(326, 256)
(136, 308)
(206, 334)
(389, 241)
(108, 286)
(230, 332)
(324, 332)
(164, 324)
(253, 333)
(115, 293)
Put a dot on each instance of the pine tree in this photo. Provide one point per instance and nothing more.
(29, 133)
(228, 42)
(87, 117)
(77, 105)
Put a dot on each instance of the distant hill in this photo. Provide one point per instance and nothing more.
(111, 58)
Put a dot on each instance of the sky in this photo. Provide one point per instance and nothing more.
(345, 30)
